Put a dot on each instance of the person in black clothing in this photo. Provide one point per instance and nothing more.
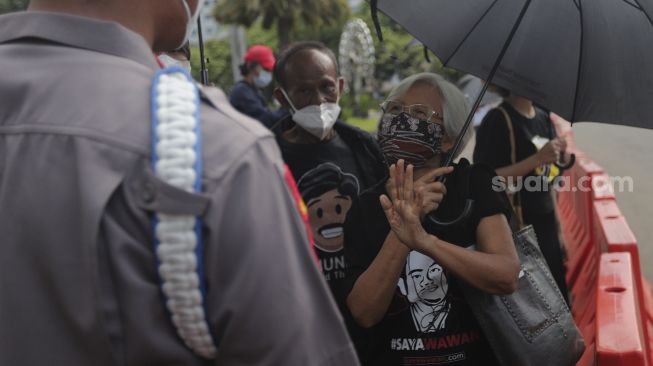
(331, 160)
(246, 95)
(537, 149)
(405, 272)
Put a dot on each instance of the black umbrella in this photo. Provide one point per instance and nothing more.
(584, 60)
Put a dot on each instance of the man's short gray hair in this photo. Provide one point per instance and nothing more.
(454, 104)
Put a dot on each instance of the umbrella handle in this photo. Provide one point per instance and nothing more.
(562, 165)
(469, 204)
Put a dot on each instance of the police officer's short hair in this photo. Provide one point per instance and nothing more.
(292, 50)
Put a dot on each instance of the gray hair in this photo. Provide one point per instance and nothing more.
(454, 105)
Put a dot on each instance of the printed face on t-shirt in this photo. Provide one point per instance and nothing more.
(425, 280)
(327, 215)
(425, 287)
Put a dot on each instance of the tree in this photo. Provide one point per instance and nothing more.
(7, 6)
(219, 66)
(402, 56)
(286, 15)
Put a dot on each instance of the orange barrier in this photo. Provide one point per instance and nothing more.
(577, 226)
(612, 302)
(648, 317)
(619, 337)
(613, 234)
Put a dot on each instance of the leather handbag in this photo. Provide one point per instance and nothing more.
(532, 326)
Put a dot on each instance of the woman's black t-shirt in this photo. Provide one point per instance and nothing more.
(493, 148)
(428, 321)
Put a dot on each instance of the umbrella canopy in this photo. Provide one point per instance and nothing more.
(584, 60)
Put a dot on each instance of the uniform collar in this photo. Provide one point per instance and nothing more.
(76, 31)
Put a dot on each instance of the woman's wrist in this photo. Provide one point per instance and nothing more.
(536, 161)
(426, 243)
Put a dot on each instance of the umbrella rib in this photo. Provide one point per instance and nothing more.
(645, 13)
(580, 62)
(446, 62)
(636, 5)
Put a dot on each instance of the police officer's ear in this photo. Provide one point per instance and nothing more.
(281, 98)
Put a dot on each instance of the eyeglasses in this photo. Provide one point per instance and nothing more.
(420, 111)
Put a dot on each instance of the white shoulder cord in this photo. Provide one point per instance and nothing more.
(176, 159)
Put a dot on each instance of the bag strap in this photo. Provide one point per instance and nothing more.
(511, 135)
(513, 196)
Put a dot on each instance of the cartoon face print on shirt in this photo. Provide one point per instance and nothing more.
(328, 193)
(425, 286)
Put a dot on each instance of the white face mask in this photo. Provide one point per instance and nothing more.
(170, 61)
(318, 120)
(192, 19)
(263, 79)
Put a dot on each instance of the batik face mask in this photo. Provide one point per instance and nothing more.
(405, 137)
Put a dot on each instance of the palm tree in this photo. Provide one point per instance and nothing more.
(286, 14)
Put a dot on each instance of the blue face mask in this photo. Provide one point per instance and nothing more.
(263, 79)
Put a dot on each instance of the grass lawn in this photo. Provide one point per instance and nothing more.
(367, 124)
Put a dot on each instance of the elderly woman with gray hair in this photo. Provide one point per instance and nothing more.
(405, 272)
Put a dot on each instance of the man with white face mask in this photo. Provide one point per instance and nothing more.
(309, 86)
(79, 278)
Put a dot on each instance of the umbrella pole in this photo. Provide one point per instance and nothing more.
(204, 72)
(449, 160)
(469, 203)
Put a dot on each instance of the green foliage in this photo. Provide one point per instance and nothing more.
(219, 54)
(262, 17)
(256, 34)
(366, 103)
(287, 16)
(219, 51)
(365, 124)
(398, 57)
(7, 6)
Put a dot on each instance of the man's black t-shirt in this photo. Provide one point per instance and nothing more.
(428, 321)
(329, 179)
(493, 148)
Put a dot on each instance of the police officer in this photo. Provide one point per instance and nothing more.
(78, 273)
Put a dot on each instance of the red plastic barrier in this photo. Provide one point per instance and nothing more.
(602, 188)
(584, 172)
(612, 301)
(577, 222)
(613, 234)
(648, 317)
(619, 336)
